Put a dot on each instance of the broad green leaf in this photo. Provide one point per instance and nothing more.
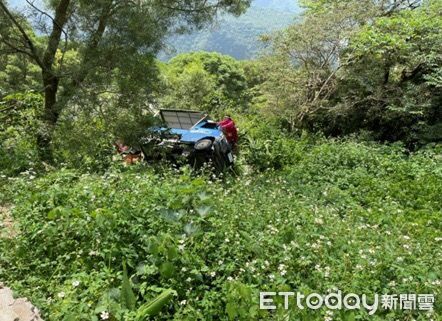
(127, 298)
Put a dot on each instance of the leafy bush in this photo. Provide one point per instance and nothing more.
(204, 81)
(18, 127)
(265, 147)
(390, 85)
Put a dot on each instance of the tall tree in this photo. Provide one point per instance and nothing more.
(308, 59)
(108, 35)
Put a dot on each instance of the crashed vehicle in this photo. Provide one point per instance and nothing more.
(192, 137)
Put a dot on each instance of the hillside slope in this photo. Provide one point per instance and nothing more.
(361, 218)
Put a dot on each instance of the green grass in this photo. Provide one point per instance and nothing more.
(362, 218)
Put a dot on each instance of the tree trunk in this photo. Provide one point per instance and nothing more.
(49, 117)
(51, 110)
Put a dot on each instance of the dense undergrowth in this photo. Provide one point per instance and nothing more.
(363, 218)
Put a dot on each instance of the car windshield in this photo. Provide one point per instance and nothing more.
(182, 119)
(210, 125)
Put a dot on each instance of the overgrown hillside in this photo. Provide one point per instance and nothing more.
(338, 214)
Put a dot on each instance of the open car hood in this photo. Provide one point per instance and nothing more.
(187, 124)
(181, 119)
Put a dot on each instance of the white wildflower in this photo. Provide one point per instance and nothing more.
(327, 272)
(104, 315)
(328, 316)
(319, 221)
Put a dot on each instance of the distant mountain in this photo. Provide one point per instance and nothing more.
(236, 36)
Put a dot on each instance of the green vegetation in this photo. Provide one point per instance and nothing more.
(336, 185)
(350, 66)
(204, 81)
(360, 217)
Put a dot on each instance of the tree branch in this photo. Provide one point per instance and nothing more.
(54, 38)
(202, 8)
(93, 44)
(34, 53)
(413, 4)
(15, 48)
(53, 22)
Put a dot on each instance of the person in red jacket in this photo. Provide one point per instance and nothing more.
(229, 129)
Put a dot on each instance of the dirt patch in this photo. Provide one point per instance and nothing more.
(16, 309)
(7, 228)
(13, 309)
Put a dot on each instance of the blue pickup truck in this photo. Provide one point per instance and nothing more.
(188, 136)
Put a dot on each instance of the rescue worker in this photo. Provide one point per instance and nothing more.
(229, 129)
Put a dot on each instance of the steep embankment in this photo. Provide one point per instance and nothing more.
(357, 217)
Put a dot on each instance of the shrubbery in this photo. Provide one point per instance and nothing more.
(18, 127)
(362, 218)
(204, 81)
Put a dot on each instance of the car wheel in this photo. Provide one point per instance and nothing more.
(222, 160)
